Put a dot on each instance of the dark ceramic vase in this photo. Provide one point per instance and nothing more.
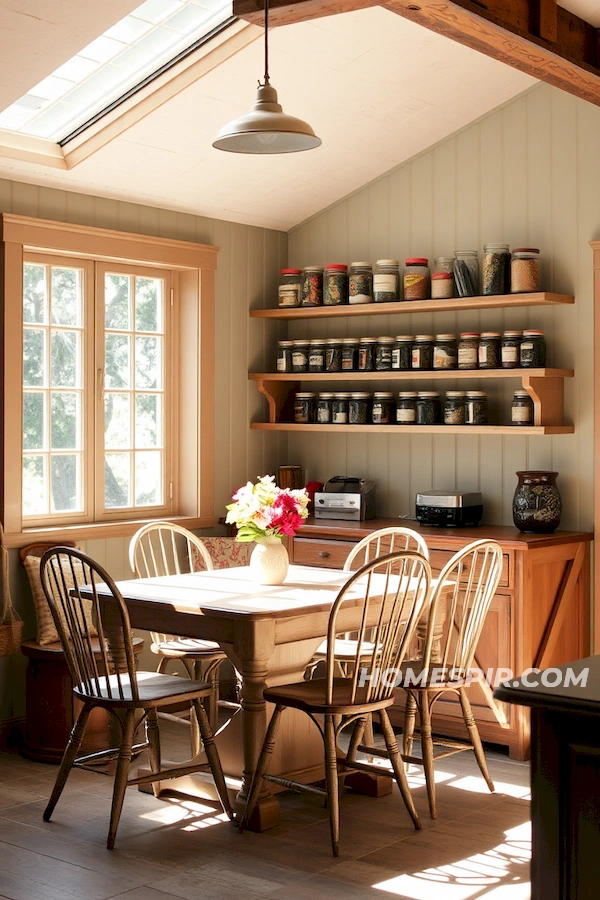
(536, 503)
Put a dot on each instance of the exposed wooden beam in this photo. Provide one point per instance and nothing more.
(539, 38)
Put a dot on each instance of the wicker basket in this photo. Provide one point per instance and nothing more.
(10, 635)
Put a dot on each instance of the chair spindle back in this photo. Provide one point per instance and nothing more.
(163, 548)
(383, 541)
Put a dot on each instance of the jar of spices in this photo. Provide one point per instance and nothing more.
(428, 408)
(532, 352)
(416, 278)
(358, 408)
(454, 408)
(324, 403)
(335, 284)
(489, 350)
(300, 356)
(383, 404)
(316, 356)
(444, 351)
(495, 271)
(510, 351)
(360, 283)
(466, 273)
(386, 281)
(290, 287)
(468, 350)
(402, 352)
(383, 354)
(406, 408)
(333, 355)
(476, 408)
(366, 354)
(442, 286)
(284, 356)
(350, 354)
(525, 270)
(444, 264)
(312, 286)
(522, 409)
(304, 407)
(339, 409)
(422, 352)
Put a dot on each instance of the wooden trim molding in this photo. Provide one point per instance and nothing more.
(595, 245)
(541, 39)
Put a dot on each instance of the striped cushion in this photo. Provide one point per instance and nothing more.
(46, 629)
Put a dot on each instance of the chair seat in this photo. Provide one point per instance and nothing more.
(153, 689)
(309, 696)
(437, 678)
(192, 648)
(345, 649)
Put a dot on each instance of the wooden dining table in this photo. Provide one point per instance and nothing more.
(269, 633)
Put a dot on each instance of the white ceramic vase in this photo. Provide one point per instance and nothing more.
(269, 561)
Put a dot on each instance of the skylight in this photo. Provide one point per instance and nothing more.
(132, 50)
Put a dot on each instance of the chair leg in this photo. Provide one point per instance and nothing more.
(261, 766)
(153, 738)
(331, 775)
(69, 757)
(408, 729)
(212, 755)
(212, 676)
(474, 736)
(356, 738)
(369, 738)
(123, 763)
(396, 761)
(427, 749)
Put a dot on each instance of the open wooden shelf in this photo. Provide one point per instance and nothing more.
(410, 375)
(406, 307)
(415, 429)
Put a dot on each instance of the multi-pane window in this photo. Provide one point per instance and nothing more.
(95, 384)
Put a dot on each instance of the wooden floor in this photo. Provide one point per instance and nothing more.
(180, 849)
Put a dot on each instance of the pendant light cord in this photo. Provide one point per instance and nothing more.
(266, 42)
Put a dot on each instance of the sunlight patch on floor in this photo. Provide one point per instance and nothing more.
(477, 785)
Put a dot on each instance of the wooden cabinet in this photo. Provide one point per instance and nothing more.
(539, 616)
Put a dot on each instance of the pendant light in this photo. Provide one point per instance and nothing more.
(267, 129)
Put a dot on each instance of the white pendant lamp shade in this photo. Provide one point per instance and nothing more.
(267, 129)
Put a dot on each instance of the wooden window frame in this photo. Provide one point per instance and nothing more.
(192, 267)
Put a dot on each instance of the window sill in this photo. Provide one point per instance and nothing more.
(98, 531)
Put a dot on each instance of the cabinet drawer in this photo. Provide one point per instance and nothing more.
(439, 558)
(330, 554)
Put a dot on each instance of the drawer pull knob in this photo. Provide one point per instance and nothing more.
(323, 554)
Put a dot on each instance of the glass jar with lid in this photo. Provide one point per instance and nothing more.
(312, 286)
(316, 356)
(358, 408)
(381, 411)
(532, 352)
(386, 281)
(510, 351)
(476, 408)
(304, 407)
(495, 270)
(468, 350)
(444, 351)
(489, 350)
(428, 408)
(442, 286)
(300, 356)
(324, 403)
(522, 409)
(525, 270)
(466, 273)
(339, 408)
(335, 284)
(284, 356)
(406, 408)
(454, 408)
(422, 352)
(333, 355)
(402, 352)
(350, 354)
(360, 283)
(290, 287)
(366, 354)
(416, 278)
(383, 353)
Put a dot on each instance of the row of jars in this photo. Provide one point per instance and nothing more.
(408, 408)
(361, 282)
(488, 350)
